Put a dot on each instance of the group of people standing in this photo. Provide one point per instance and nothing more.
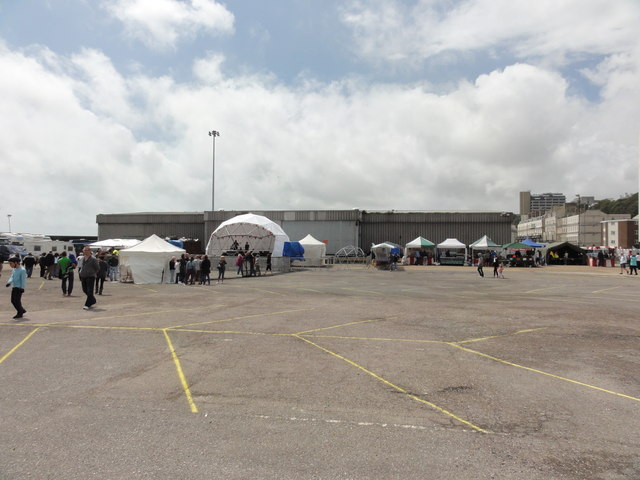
(92, 272)
(248, 264)
(189, 270)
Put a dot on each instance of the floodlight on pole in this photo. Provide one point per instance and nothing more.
(213, 134)
(9, 218)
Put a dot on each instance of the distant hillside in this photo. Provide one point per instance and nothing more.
(627, 204)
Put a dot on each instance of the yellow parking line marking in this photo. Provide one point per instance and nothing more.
(605, 289)
(142, 314)
(378, 339)
(141, 287)
(183, 380)
(235, 332)
(258, 290)
(395, 387)
(244, 317)
(558, 377)
(361, 291)
(555, 287)
(18, 345)
(343, 325)
(499, 336)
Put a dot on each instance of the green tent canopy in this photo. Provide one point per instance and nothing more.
(420, 242)
(517, 246)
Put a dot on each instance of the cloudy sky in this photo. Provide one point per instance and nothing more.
(106, 105)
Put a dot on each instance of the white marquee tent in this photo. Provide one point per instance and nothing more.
(118, 243)
(148, 261)
(314, 250)
(259, 232)
(452, 244)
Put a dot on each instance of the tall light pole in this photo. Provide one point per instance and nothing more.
(213, 134)
(579, 219)
(9, 218)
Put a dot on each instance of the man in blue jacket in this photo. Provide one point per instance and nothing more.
(18, 280)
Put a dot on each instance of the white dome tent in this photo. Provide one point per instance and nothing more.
(314, 251)
(260, 233)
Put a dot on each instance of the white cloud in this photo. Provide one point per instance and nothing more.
(81, 138)
(161, 24)
(391, 31)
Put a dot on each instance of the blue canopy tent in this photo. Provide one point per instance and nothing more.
(531, 243)
(293, 250)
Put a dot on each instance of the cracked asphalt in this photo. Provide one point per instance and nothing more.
(343, 372)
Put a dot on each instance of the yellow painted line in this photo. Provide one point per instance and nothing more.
(605, 289)
(361, 291)
(104, 327)
(18, 345)
(377, 339)
(557, 377)
(293, 287)
(244, 317)
(258, 290)
(344, 325)
(157, 312)
(555, 287)
(145, 288)
(235, 332)
(395, 387)
(183, 380)
(500, 336)
(41, 285)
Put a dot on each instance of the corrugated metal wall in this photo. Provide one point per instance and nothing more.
(142, 225)
(339, 227)
(402, 227)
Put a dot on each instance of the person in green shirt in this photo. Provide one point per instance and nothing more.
(66, 273)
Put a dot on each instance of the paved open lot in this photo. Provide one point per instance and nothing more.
(337, 373)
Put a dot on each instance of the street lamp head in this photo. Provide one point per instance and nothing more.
(214, 133)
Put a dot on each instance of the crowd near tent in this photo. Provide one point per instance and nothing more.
(260, 233)
(148, 261)
(314, 250)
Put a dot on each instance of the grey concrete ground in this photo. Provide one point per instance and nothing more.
(337, 373)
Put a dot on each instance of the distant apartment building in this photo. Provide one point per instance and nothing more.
(584, 229)
(619, 233)
(534, 205)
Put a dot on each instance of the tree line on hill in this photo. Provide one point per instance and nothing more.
(625, 204)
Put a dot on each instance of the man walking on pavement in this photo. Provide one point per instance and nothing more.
(88, 273)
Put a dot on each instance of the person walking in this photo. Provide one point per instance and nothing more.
(633, 264)
(268, 268)
(623, 262)
(480, 265)
(102, 274)
(172, 270)
(113, 262)
(205, 271)
(18, 282)
(29, 261)
(496, 265)
(88, 274)
(66, 274)
(222, 265)
(239, 260)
